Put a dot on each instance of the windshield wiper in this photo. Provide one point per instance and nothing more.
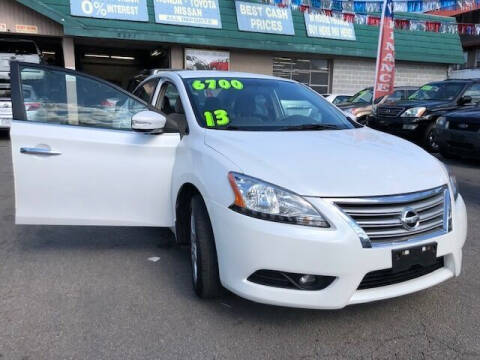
(309, 127)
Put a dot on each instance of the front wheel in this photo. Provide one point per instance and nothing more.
(203, 254)
(430, 139)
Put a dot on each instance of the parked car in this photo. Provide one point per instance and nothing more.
(336, 98)
(415, 117)
(274, 203)
(458, 133)
(13, 50)
(359, 107)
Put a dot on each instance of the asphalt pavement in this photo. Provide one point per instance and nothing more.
(125, 293)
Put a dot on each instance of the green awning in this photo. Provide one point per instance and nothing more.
(428, 47)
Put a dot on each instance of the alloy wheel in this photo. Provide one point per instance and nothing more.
(432, 143)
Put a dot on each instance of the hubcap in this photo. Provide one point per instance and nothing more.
(431, 140)
(193, 248)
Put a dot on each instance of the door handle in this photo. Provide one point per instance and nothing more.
(39, 151)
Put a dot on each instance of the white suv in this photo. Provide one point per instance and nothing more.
(282, 199)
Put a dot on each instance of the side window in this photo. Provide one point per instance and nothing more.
(169, 101)
(146, 91)
(474, 92)
(59, 97)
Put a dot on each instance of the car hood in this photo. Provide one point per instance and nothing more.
(347, 106)
(331, 163)
(429, 104)
(468, 115)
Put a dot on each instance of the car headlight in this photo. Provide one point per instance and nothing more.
(414, 112)
(256, 198)
(454, 186)
(349, 113)
(452, 181)
(442, 123)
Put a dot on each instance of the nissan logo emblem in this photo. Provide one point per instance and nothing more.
(410, 218)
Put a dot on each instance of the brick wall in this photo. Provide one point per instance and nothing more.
(352, 75)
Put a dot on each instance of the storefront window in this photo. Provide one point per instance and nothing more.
(311, 72)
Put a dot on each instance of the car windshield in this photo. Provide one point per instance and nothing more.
(225, 103)
(438, 91)
(363, 96)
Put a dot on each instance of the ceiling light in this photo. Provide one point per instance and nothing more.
(122, 57)
(97, 56)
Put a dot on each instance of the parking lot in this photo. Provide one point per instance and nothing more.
(122, 293)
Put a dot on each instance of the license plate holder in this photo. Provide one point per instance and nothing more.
(423, 255)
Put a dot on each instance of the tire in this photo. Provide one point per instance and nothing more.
(203, 254)
(429, 139)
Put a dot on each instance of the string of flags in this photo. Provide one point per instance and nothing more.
(365, 13)
(375, 6)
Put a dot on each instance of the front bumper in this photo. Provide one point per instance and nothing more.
(459, 142)
(246, 244)
(410, 128)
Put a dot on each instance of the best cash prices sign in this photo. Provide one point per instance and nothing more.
(264, 18)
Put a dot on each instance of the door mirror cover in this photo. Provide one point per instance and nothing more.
(148, 121)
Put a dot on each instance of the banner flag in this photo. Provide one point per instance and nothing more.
(385, 71)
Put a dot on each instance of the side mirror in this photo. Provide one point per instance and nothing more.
(464, 100)
(148, 121)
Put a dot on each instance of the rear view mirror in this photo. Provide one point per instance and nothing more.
(148, 121)
(464, 100)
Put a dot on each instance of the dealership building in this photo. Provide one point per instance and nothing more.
(117, 39)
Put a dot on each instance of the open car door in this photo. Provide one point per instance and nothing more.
(77, 160)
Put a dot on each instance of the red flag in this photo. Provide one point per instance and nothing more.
(385, 72)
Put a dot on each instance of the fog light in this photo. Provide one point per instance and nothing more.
(307, 279)
(410, 126)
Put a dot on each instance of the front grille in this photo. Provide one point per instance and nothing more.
(390, 111)
(464, 126)
(390, 219)
(389, 277)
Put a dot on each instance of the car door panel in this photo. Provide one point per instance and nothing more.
(90, 175)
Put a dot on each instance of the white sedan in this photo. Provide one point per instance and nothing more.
(336, 98)
(282, 199)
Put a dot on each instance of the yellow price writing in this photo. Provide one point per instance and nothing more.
(213, 84)
(216, 118)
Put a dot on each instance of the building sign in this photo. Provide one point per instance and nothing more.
(319, 25)
(264, 18)
(135, 10)
(207, 60)
(199, 13)
(26, 29)
(3, 27)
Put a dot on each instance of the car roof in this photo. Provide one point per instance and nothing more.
(189, 74)
(455, 81)
(406, 87)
